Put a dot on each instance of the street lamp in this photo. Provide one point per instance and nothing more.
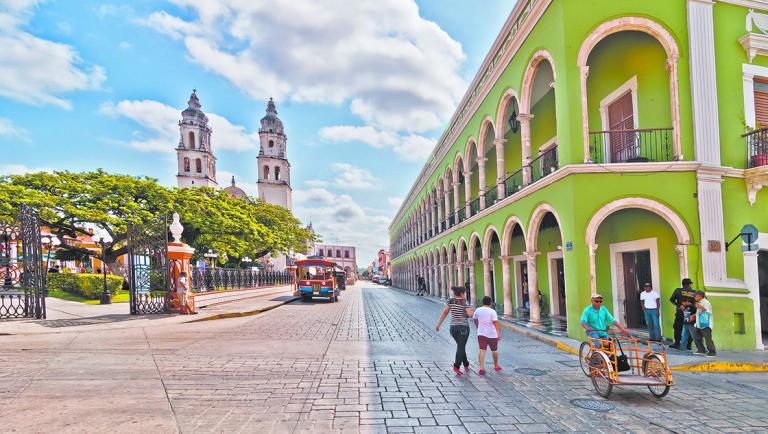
(50, 243)
(104, 239)
(247, 261)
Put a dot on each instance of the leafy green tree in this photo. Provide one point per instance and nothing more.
(71, 203)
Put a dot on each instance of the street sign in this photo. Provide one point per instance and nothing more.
(749, 235)
(568, 245)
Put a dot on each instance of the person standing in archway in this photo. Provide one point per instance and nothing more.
(460, 314)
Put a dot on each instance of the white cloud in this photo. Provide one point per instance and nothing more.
(394, 69)
(316, 183)
(160, 131)
(340, 217)
(349, 177)
(35, 70)
(395, 201)
(411, 147)
(20, 169)
(11, 130)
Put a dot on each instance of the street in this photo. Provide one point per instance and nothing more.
(370, 363)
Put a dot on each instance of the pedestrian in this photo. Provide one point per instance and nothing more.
(488, 333)
(689, 320)
(459, 329)
(467, 292)
(702, 328)
(422, 286)
(678, 295)
(651, 303)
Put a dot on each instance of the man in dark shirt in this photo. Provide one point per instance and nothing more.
(680, 294)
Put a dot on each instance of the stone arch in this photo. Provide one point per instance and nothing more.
(534, 222)
(489, 232)
(458, 163)
(471, 247)
(530, 75)
(471, 142)
(501, 113)
(509, 226)
(667, 41)
(486, 123)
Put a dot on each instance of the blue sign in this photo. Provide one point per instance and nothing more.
(568, 245)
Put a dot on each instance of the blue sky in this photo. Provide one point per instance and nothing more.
(364, 89)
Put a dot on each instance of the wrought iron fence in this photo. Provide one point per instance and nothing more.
(220, 279)
(544, 164)
(462, 214)
(513, 183)
(492, 196)
(22, 277)
(631, 146)
(474, 207)
(757, 148)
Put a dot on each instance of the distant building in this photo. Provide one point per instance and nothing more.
(274, 168)
(344, 256)
(195, 159)
(383, 261)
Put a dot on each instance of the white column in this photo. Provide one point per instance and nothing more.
(675, 102)
(710, 201)
(525, 139)
(456, 198)
(701, 54)
(533, 286)
(501, 174)
(506, 276)
(460, 273)
(592, 251)
(481, 191)
(583, 74)
(468, 192)
(487, 285)
(752, 279)
(447, 199)
(443, 280)
(472, 289)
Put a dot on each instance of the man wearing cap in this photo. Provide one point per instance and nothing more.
(650, 301)
(680, 294)
(595, 319)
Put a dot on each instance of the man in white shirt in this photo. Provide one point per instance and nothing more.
(702, 330)
(650, 300)
(488, 332)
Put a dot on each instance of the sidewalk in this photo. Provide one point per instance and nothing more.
(69, 316)
(726, 361)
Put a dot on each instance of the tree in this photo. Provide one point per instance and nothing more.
(71, 203)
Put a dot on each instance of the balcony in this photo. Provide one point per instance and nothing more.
(513, 183)
(461, 215)
(474, 207)
(756, 175)
(631, 146)
(491, 196)
(544, 164)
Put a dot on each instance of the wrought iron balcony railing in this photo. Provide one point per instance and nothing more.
(513, 183)
(631, 146)
(462, 214)
(474, 207)
(757, 148)
(492, 196)
(544, 164)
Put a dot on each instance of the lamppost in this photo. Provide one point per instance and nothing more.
(247, 261)
(50, 243)
(211, 255)
(104, 239)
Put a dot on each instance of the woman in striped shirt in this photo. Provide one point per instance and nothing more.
(460, 314)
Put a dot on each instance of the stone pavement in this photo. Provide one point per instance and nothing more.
(370, 363)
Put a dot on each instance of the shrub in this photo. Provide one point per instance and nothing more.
(86, 285)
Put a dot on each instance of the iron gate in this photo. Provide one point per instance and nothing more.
(149, 268)
(22, 277)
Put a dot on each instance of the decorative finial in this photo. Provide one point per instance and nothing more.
(176, 228)
(233, 180)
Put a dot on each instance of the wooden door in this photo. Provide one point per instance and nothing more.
(632, 309)
(621, 117)
(560, 286)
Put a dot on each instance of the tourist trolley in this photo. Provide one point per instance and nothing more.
(625, 361)
(316, 278)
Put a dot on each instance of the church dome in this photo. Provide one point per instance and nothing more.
(235, 191)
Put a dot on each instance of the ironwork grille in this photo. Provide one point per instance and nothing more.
(22, 278)
(148, 268)
(513, 183)
(757, 148)
(544, 164)
(631, 146)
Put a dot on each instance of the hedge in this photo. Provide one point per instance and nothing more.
(86, 285)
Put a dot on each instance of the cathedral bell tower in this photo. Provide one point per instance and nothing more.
(197, 164)
(274, 169)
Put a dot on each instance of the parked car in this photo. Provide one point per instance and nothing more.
(385, 281)
(375, 279)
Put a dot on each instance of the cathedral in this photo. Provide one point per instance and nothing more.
(197, 162)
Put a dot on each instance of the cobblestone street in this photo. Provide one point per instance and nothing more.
(370, 363)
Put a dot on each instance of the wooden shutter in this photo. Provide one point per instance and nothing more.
(761, 102)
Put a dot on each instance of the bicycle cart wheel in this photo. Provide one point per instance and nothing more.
(600, 370)
(653, 366)
(584, 357)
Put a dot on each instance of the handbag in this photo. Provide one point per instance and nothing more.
(704, 319)
(622, 363)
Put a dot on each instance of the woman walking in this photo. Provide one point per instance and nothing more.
(460, 314)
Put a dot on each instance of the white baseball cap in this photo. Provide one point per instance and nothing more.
(594, 296)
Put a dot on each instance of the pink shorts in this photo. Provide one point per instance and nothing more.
(485, 342)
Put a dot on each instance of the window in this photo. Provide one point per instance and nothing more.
(186, 164)
(191, 140)
(330, 253)
(761, 102)
(346, 254)
(266, 172)
(338, 253)
(277, 173)
(199, 165)
(271, 143)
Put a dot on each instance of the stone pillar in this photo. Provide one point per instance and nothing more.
(592, 252)
(533, 286)
(456, 199)
(468, 192)
(501, 174)
(583, 74)
(439, 210)
(487, 285)
(451, 283)
(752, 280)
(710, 201)
(507, 283)
(682, 255)
(482, 189)
(712, 153)
(525, 138)
(460, 273)
(179, 255)
(447, 198)
(472, 289)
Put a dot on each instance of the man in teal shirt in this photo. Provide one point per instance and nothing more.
(596, 318)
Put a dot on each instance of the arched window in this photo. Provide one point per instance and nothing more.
(191, 140)
(271, 143)
(199, 165)
(186, 164)
(266, 172)
(277, 173)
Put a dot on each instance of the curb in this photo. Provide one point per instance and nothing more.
(688, 367)
(242, 314)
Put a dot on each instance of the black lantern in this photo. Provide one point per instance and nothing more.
(514, 124)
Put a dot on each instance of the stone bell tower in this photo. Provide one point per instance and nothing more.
(197, 164)
(274, 169)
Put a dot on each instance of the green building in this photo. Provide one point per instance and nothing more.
(603, 144)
